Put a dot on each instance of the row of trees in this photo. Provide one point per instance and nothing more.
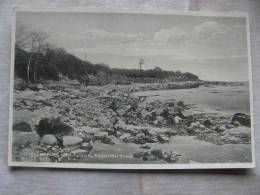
(30, 47)
(155, 73)
(36, 60)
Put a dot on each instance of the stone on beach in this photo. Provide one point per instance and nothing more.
(86, 146)
(157, 153)
(138, 154)
(103, 121)
(162, 139)
(207, 123)
(49, 139)
(71, 140)
(220, 128)
(177, 119)
(171, 158)
(22, 126)
(130, 139)
(107, 140)
(243, 119)
(180, 103)
(126, 135)
(145, 113)
(113, 105)
(170, 133)
(145, 146)
(89, 130)
(236, 123)
(121, 112)
(151, 139)
(100, 134)
(140, 135)
(191, 131)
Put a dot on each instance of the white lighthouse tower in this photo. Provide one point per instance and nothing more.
(141, 64)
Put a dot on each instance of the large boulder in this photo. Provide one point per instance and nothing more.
(49, 139)
(207, 123)
(71, 140)
(243, 119)
(22, 126)
(54, 127)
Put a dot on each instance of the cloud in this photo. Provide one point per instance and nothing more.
(209, 30)
(172, 35)
(97, 34)
(209, 39)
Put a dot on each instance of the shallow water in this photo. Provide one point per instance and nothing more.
(225, 100)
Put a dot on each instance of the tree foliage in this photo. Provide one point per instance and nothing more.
(37, 60)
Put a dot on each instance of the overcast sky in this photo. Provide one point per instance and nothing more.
(214, 48)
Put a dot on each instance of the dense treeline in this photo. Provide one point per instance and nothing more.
(155, 73)
(50, 65)
(55, 62)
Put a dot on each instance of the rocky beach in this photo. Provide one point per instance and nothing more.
(182, 122)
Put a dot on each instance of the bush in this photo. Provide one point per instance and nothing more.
(84, 79)
(20, 84)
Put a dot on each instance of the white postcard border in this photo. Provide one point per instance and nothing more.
(129, 166)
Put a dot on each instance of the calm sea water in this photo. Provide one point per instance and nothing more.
(213, 99)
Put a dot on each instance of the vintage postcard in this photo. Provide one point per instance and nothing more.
(130, 90)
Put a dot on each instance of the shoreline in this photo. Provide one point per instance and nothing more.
(111, 116)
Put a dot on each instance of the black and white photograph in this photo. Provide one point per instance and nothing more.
(130, 90)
